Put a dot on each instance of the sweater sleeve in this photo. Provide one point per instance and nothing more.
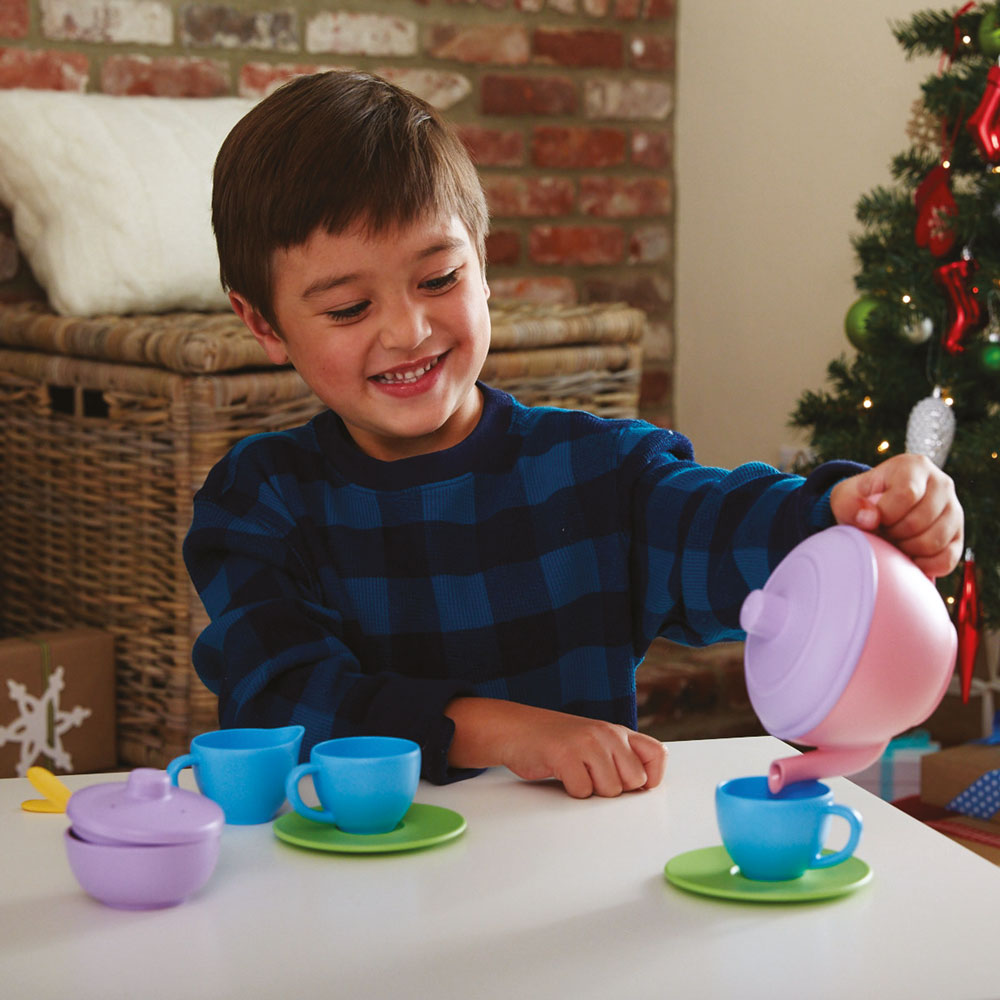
(702, 538)
(275, 654)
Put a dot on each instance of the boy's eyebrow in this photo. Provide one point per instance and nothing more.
(325, 284)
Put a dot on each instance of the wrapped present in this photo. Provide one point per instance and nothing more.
(965, 779)
(896, 774)
(57, 702)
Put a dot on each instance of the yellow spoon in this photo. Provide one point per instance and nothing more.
(55, 792)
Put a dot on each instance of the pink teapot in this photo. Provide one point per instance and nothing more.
(848, 645)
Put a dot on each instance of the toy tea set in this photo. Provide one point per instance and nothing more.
(848, 645)
(147, 843)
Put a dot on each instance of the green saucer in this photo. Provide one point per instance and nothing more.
(422, 826)
(710, 871)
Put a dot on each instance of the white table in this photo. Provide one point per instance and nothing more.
(542, 897)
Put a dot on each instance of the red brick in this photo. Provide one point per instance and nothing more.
(577, 244)
(503, 246)
(522, 197)
(260, 79)
(493, 147)
(545, 291)
(528, 95)
(619, 197)
(658, 10)
(150, 22)
(13, 18)
(652, 148)
(649, 245)
(437, 87)
(221, 26)
(578, 47)
(627, 10)
(486, 43)
(615, 97)
(653, 52)
(571, 146)
(43, 69)
(350, 33)
(651, 292)
(165, 77)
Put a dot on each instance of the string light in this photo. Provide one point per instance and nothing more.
(884, 446)
(907, 300)
(867, 402)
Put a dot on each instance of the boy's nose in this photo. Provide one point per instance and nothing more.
(404, 328)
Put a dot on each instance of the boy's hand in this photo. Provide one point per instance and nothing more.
(588, 756)
(912, 503)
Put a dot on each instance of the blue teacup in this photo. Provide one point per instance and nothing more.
(243, 770)
(773, 838)
(365, 784)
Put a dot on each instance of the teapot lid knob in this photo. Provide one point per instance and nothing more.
(764, 614)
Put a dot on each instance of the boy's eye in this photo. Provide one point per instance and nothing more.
(438, 284)
(351, 312)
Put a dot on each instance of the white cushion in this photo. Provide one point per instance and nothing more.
(111, 197)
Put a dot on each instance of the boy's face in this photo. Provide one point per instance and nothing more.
(390, 331)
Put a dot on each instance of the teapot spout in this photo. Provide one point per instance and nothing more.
(825, 762)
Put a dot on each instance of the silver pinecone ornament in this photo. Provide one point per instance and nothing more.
(930, 430)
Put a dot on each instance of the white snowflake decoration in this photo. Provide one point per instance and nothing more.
(30, 728)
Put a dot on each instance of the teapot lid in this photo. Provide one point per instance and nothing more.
(806, 629)
(146, 809)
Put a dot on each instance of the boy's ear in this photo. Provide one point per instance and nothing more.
(266, 335)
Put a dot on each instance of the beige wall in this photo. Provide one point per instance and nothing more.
(788, 111)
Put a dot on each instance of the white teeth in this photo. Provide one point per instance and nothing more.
(411, 376)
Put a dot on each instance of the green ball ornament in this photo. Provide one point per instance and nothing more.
(989, 34)
(989, 356)
(856, 322)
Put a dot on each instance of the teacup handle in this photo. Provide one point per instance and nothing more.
(853, 818)
(292, 791)
(178, 764)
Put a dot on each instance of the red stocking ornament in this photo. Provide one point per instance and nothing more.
(964, 308)
(984, 123)
(935, 209)
(968, 624)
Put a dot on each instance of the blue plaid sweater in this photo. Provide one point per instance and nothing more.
(535, 561)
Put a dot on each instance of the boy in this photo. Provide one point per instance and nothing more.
(428, 558)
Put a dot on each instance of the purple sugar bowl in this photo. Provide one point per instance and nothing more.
(143, 844)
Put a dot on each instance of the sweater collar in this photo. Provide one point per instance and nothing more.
(477, 452)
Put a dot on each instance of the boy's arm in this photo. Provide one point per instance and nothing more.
(912, 503)
(588, 756)
(275, 654)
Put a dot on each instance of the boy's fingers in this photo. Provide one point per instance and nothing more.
(577, 780)
(653, 755)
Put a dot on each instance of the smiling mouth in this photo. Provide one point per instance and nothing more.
(404, 376)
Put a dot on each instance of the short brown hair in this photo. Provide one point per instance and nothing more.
(327, 151)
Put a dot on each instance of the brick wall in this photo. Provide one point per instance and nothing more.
(566, 105)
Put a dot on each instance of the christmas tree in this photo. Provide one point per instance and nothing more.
(926, 327)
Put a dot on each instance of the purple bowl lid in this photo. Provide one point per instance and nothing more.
(144, 809)
(806, 629)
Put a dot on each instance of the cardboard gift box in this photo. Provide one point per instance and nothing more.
(964, 779)
(57, 702)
